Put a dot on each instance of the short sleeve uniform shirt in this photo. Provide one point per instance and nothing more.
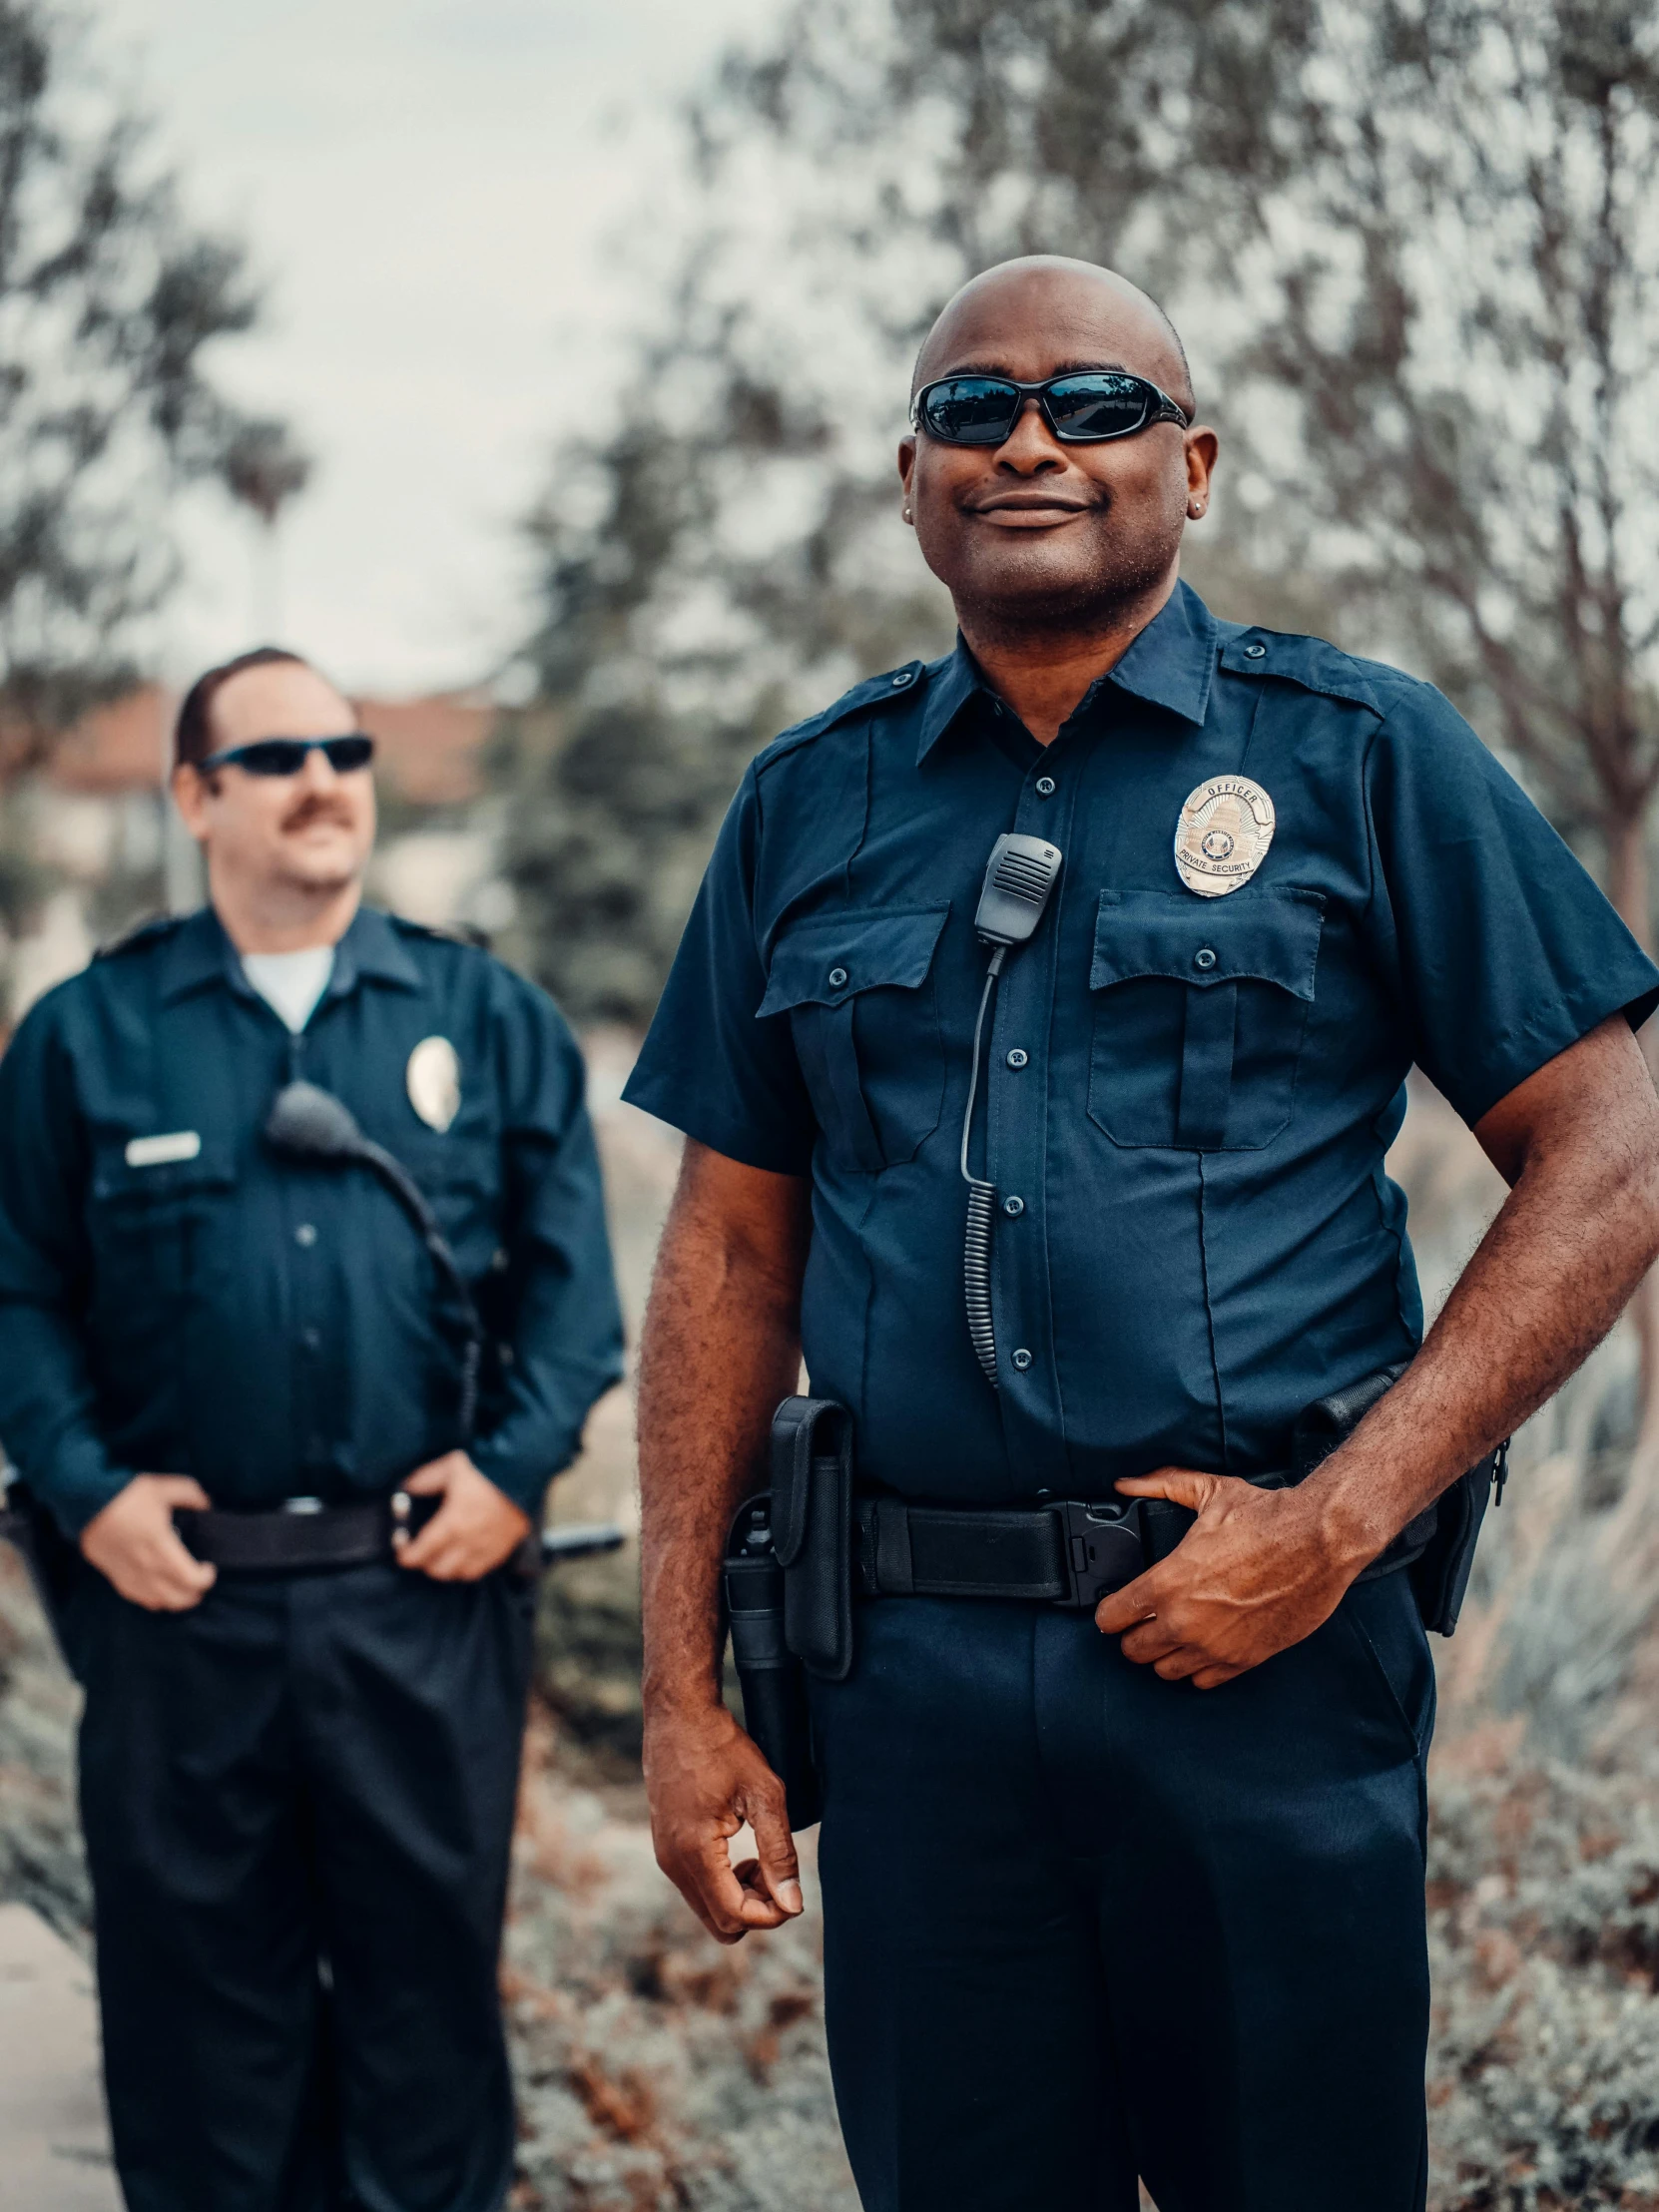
(1184, 1101)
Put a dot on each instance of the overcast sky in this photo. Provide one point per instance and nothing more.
(435, 190)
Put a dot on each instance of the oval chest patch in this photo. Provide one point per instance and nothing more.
(434, 1082)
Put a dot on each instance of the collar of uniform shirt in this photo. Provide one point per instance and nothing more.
(1170, 665)
(200, 953)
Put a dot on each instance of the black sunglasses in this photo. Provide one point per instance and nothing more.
(286, 755)
(1082, 408)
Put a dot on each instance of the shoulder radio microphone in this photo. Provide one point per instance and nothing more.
(1019, 878)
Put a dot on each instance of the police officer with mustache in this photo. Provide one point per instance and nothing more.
(304, 1297)
(1066, 1175)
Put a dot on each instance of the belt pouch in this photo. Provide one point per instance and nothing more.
(1441, 1577)
(774, 1684)
(1438, 1547)
(811, 1499)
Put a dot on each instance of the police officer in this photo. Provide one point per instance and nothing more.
(220, 1358)
(1137, 1890)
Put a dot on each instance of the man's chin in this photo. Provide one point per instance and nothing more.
(1043, 581)
(322, 874)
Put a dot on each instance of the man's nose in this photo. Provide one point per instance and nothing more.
(317, 773)
(1031, 446)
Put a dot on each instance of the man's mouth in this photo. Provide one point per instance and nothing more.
(311, 818)
(1029, 510)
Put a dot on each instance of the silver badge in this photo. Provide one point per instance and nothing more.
(434, 1080)
(1223, 835)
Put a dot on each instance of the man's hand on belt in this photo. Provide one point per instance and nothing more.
(705, 1778)
(134, 1543)
(475, 1528)
(1254, 1575)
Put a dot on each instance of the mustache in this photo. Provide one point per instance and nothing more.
(315, 806)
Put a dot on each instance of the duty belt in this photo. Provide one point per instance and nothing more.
(1070, 1553)
(303, 1535)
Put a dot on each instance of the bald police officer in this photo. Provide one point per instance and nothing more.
(298, 1407)
(1134, 1887)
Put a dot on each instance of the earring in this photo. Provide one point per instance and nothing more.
(907, 514)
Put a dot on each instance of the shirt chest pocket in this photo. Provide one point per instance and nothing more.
(150, 1219)
(1199, 1015)
(860, 991)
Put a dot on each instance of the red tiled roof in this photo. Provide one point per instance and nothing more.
(432, 748)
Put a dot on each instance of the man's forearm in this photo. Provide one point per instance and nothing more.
(1558, 1267)
(721, 1346)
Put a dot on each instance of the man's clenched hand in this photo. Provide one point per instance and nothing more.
(1258, 1570)
(705, 1778)
(134, 1543)
(472, 1532)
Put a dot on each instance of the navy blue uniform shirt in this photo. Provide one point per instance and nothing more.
(1186, 1101)
(175, 1298)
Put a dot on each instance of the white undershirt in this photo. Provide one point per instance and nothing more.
(292, 982)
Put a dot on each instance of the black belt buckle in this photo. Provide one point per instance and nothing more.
(1102, 1548)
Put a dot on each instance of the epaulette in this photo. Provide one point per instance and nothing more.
(875, 691)
(1314, 664)
(149, 931)
(447, 933)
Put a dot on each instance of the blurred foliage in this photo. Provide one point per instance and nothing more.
(668, 653)
(1412, 247)
(109, 298)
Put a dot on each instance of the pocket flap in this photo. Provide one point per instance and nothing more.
(1272, 935)
(830, 957)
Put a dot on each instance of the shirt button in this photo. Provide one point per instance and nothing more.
(1013, 1204)
(838, 977)
(904, 675)
(1017, 1058)
(306, 1234)
(1254, 652)
(1204, 958)
(1022, 1360)
(311, 1339)
(1045, 787)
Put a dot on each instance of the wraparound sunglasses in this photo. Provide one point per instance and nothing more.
(1083, 408)
(286, 755)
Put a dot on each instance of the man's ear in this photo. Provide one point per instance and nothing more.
(191, 792)
(1201, 450)
(906, 469)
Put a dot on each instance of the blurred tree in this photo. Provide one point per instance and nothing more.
(108, 299)
(263, 468)
(670, 647)
(1465, 313)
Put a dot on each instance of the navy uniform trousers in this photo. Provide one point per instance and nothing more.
(298, 1803)
(1082, 1924)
